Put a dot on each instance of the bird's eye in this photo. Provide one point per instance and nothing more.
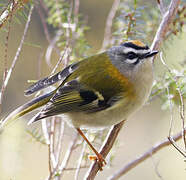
(131, 55)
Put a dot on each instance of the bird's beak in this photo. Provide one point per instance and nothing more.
(150, 54)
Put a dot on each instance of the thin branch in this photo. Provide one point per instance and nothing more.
(161, 7)
(51, 149)
(60, 138)
(109, 22)
(8, 12)
(52, 45)
(52, 157)
(43, 22)
(76, 12)
(171, 111)
(67, 155)
(72, 169)
(180, 150)
(165, 23)
(156, 168)
(105, 149)
(182, 113)
(61, 59)
(43, 5)
(45, 131)
(39, 65)
(52, 42)
(132, 164)
(5, 82)
(5, 63)
(80, 161)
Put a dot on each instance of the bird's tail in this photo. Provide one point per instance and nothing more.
(26, 108)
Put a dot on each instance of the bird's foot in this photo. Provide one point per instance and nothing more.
(100, 160)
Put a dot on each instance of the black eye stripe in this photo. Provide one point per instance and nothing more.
(131, 55)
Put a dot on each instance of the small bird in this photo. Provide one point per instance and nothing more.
(99, 91)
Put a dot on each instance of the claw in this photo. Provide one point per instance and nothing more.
(100, 160)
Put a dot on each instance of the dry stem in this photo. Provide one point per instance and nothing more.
(144, 156)
(105, 149)
(109, 22)
(8, 75)
(182, 113)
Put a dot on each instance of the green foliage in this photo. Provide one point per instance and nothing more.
(167, 88)
(179, 20)
(62, 17)
(133, 22)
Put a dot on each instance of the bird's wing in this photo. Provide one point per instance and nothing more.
(94, 85)
(48, 81)
(73, 97)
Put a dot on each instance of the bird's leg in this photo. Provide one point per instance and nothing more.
(99, 157)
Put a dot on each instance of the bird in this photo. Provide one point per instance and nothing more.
(97, 92)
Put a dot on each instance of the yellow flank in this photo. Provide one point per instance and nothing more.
(122, 80)
(138, 43)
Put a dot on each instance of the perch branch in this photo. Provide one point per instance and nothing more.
(105, 149)
(144, 156)
(165, 23)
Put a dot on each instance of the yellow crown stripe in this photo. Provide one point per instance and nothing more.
(137, 42)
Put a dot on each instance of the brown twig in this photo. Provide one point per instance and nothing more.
(57, 126)
(156, 168)
(52, 42)
(61, 59)
(45, 131)
(64, 58)
(8, 75)
(80, 160)
(132, 164)
(182, 113)
(67, 155)
(165, 23)
(60, 138)
(76, 11)
(8, 11)
(73, 169)
(180, 150)
(105, 149)
(43, 22)
(161, 6)
(39, 65)
(109, 22)
(43, 5)
(5, 64)
(52, 159)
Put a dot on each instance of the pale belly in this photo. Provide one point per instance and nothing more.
(111, 116)
(101, 119)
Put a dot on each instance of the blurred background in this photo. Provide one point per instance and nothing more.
(21, 157)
